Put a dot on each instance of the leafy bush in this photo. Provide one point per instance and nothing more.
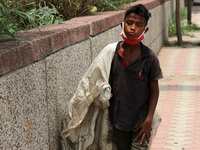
(17, 15)
(73, 8)
(45, 15)
(10, 21)
(185, 28)
(16, 19)
(108, 5)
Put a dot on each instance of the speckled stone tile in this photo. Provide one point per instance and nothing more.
(101, 40)
(158, 33)
(23, 109)
(65, 68)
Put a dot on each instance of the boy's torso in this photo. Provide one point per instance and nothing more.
(130, 89)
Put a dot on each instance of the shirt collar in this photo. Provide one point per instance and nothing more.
(145, 51)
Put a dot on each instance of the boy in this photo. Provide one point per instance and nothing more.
(134, 75)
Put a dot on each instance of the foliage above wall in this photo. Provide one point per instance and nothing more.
(21, 15)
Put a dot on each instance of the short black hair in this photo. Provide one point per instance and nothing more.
(138, 10)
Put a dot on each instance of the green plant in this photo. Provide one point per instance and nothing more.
(45, 15)
(73, 8)
(17, 15)
(18, 18)
(110, 5)
(185, 28)
(8, 18)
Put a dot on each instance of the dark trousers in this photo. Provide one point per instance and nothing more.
(125, 140)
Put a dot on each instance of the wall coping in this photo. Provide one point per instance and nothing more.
(38, 45)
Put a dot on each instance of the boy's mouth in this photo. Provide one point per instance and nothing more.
(132, 34)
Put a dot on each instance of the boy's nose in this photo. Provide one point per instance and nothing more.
(133, 27)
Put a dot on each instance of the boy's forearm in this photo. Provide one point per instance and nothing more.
(154, 94)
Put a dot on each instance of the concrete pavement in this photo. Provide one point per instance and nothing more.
(179, 102)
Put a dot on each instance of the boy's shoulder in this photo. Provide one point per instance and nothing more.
(150, 52)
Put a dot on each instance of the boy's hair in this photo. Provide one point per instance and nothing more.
(139, 10)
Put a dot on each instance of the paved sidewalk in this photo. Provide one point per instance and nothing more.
(179, 102)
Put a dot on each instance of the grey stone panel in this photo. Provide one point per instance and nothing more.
(65, 68)
(101, 40)
(158, 27)
(23, 109)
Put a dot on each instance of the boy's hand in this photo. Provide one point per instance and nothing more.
(145, 130)
(145, 127)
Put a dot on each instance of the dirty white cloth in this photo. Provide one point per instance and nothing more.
(88, 127)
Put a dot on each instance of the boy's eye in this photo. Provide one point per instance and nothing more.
(129, 23)
(138, 24)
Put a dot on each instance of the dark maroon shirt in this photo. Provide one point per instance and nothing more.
(130, 88)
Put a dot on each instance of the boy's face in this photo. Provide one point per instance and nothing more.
(134, 25)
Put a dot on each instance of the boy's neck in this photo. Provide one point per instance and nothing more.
(129, 47)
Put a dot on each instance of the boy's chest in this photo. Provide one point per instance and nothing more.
(139, 68)
(130, 59)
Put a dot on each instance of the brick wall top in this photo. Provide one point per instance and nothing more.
(39, 44)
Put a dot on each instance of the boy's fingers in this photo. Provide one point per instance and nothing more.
(142, 139)
(148, 137)
(137, 128)
(140, 134)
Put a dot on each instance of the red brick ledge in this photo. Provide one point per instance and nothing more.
(16, 54)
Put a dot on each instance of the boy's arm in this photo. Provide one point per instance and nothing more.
(145, 127)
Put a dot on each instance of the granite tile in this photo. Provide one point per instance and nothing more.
(23, 109)
(101, 40)
(65, 68)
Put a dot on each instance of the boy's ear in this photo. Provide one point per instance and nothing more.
(147, 29)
